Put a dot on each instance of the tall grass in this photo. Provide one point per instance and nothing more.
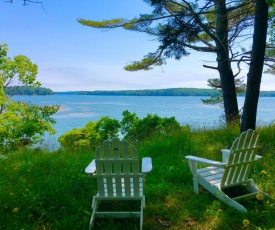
(42, 190)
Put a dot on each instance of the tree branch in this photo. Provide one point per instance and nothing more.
(25, 3)
(210, 67)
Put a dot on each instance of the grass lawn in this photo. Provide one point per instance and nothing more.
(42, 190)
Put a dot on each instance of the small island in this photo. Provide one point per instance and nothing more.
(27, 90)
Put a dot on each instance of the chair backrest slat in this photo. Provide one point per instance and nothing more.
(109, 186)
(100, 186)
(127, 185)
(107, 155)
(135, 167)
(117, 186)
(126, 155)
(136, 184)
(117, 164)
(117, 169)
(240, 160)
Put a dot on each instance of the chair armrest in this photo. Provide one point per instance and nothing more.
(206, 161)
(258, 157)
(146, 165)
(90, 169)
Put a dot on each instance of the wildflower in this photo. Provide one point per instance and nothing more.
(246, 222)
(259, 196)
(263, 172)
(15, 210)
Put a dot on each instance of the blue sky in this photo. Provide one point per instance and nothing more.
(71, 56)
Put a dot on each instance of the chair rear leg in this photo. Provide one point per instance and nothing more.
(252, 187)
(141, 214)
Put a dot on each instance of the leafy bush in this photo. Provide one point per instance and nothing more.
(91, 134)
(137, 129)
(80, 138)
(107, 127)
(24, 124)
(131, 127)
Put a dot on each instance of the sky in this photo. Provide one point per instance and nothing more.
(73, 57)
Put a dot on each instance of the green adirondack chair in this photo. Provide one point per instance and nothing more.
(116, 169)
(234, 171)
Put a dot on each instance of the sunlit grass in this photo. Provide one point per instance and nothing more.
(43, 190)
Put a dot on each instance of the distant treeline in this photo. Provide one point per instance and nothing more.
(27, 90)
(155, 92)
(158, 92)
(267, 94)
(148, 92)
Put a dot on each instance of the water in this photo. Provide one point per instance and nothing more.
(76, 110)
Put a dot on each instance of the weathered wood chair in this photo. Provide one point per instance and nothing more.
(232, 172)
(116, 168)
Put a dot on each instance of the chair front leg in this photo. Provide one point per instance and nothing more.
(196, 183)
(92, 220)
(193, 168)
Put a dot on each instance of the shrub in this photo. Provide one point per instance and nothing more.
(91, 135)
(24, 124)
(131, 127)
(137, 129)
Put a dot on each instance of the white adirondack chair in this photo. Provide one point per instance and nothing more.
(116, 168)
(233, 171)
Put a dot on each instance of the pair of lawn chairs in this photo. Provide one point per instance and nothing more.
(116, 168)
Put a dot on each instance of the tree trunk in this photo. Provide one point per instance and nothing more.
(224, 65)
(254, 75)
(2, 95)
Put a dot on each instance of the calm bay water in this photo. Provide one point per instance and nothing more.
(77, 110)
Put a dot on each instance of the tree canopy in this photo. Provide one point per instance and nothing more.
(220, 27)
(21, 124)
(183, 26)
(18, 71)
